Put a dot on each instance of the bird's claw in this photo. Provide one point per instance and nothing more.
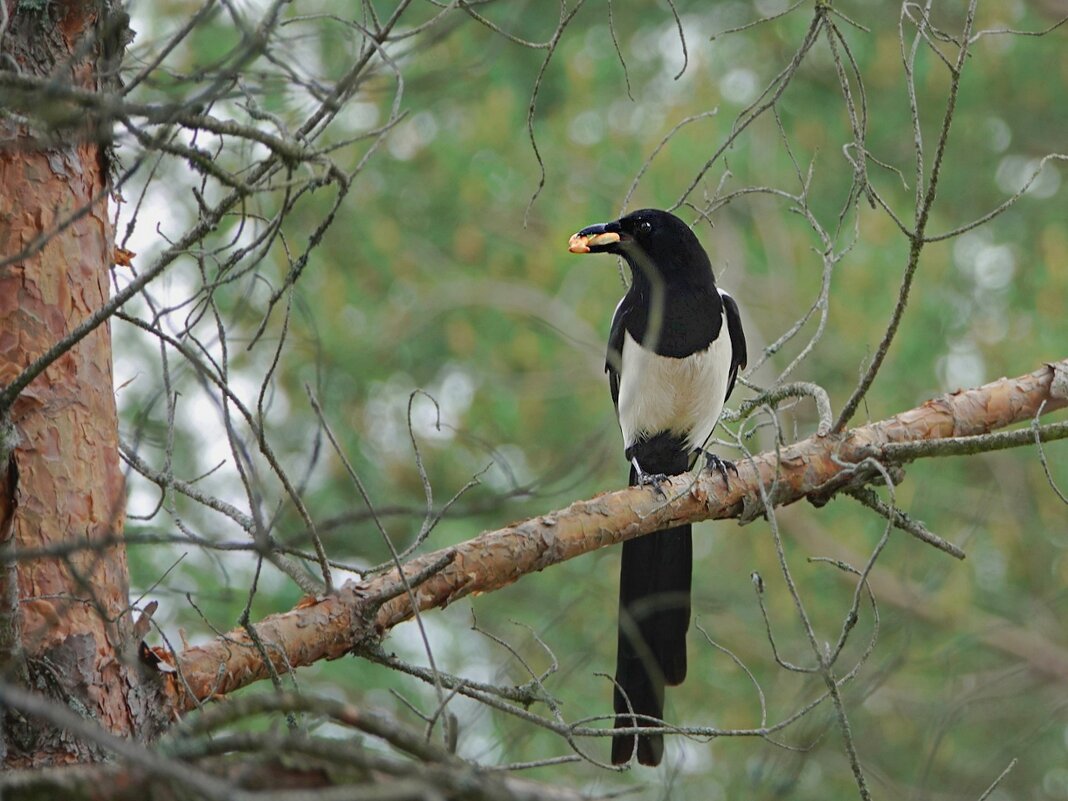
(654, 480)
(721, 466)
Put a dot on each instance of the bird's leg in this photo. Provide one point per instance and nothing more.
(721, 466)
(653, 480)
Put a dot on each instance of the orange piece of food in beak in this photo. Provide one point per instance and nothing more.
(582, 244)
(578, 244)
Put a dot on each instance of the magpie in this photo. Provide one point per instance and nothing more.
(674, 352)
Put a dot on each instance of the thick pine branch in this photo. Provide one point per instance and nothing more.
(814, 468)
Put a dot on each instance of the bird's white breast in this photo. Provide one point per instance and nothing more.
(660, 393)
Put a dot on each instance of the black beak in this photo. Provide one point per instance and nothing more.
(600, 238)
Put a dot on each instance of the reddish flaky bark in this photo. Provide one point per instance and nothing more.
(812, 468)
(70, 616)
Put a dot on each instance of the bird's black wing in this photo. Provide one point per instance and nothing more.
(734, 328)
(613, 361)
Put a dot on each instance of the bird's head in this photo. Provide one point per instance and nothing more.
(652, 242)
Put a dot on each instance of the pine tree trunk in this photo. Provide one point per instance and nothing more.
(64, 623)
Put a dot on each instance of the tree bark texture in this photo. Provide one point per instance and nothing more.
(814, 468)
(61, 480)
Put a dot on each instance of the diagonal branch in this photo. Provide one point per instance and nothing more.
(361, 612)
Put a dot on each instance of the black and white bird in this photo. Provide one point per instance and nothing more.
(673, 356)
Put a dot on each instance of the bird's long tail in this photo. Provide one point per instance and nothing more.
(654, 614)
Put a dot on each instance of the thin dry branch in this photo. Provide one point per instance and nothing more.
(357, 614)
(184, 768)
(1039, 654)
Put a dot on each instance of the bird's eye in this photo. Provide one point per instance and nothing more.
(645, 226)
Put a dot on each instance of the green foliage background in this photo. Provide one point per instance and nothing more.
(448, 271)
